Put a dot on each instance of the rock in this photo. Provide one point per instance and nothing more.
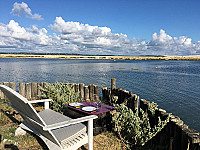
(19, 132)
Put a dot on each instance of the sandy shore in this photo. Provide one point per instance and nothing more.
(164, 57)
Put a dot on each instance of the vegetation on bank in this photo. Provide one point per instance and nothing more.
(77, 56)
(60, 93)
(134, 129)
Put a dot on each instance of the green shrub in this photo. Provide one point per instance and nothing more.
(153, 107)
(60, 93)
(132, 128)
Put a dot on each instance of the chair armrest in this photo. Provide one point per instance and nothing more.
(69, 122)
(46, 102)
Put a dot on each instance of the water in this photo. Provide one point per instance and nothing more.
(174, 85)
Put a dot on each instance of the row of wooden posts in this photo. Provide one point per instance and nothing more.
(32, 90)
(131, 100)
(175, 135)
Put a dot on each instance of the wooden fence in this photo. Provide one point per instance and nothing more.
(32, 90)
(132, 100)
(175, 135)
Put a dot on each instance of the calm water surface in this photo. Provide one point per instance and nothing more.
(174, 85)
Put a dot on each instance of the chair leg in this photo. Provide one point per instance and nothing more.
(90, 134)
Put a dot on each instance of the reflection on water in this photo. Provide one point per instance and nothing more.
(174, 85)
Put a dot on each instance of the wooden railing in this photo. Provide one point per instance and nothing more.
(32, 90)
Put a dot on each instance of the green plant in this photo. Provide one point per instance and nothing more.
(132, 128)
(153, 107)
(113, 99)
(60, 93)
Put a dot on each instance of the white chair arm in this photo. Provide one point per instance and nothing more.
(46, 102)
(69, 122)
(39, 101)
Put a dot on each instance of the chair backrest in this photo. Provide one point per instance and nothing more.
(21, 104)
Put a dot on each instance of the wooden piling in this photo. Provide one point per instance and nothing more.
(12, 85)
(132, 99)
(28, 90)
(39, 86)
(121, 96)
(96, 92)
(86, 92)
(184, 137)
(81, 89)
(33, 90)
(136, 102)
(22, 89)
(144, 105)
(104, 89)
(91, 92)
(113, 83)
(76, 86)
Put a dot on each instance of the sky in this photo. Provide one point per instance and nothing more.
(101, 27)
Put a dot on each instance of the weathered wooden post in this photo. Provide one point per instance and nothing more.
(136, 102)
(131, 101)
(12, 85)
(86, 92)
(121, 98)
(33, 90)
(96, 92)
(39, 86)
(76, 87)
(184, 137)
(81, 88)
(104, 90)
(126, 94)
(113, 83)
(28, 90)
(144, 105)
(22, 89)
(91, 91)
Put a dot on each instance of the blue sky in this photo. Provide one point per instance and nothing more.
(120, 27)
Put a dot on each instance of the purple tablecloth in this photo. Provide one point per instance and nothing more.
(102, 108)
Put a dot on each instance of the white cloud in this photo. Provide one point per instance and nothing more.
(13, 35)
(23, 9)
(165, 44)
(74, 37)
(93, 39)
(33, 29)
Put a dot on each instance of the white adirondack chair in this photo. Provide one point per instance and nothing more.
(59, 132)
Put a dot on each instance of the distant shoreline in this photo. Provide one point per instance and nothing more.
(51, 56)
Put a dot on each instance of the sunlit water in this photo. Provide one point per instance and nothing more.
(174, 85)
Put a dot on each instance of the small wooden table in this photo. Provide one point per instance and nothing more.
(101, 124)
